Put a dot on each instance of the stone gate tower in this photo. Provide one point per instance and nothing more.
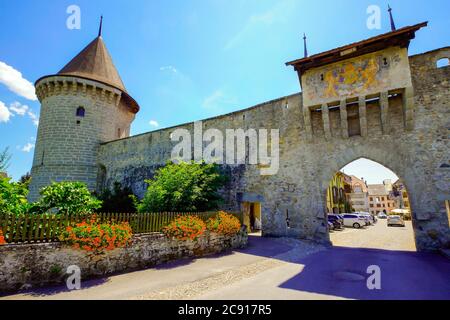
(83, 105)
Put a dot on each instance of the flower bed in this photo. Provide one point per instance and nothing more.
(224, 223)
(97, 237)
(185, 228)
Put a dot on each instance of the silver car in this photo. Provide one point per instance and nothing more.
(395, 221)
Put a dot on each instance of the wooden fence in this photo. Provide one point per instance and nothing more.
(47, 227)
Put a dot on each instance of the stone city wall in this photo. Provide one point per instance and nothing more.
(33, 265)
(406, 132)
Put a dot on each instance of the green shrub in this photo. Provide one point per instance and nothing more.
(118, 200)
(13, 197)
(67, 198)
(184, 187)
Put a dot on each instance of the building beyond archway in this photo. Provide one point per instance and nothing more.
(381, 192)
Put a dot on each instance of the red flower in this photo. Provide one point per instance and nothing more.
(97, 237)
(2, 238)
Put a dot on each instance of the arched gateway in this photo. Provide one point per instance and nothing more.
(368, 99)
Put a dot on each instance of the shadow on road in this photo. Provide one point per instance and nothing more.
(342, 272)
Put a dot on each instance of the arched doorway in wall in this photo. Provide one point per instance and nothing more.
(368, 206)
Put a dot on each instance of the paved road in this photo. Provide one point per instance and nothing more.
(284, 269)
(379, 236)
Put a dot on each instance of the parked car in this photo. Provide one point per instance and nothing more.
(339, 216)
(368, 217)
(330, 226)
(372, 217)
(337, 222)
(395, 221)
(354, 220)
(382, 215)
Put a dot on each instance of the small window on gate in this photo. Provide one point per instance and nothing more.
(80, 112)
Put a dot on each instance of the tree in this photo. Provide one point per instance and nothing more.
(5, 157)
(25, 180)
(67, 197)
(13, 197)
(184, 187)
(118, 200)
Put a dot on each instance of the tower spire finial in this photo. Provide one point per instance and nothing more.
(304, 45)
(100, 28)
(393, 28)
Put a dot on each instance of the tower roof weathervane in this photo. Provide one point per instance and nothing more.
(304, 45)
(393, 28)
(100, 28)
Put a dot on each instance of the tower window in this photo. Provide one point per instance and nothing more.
(80, 112)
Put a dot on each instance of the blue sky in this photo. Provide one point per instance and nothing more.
(185, 60)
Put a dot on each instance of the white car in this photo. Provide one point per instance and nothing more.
(354, 220)
(367, 216)
(395, 221)
(382, 215)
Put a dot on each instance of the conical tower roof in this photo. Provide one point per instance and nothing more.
(95, 63)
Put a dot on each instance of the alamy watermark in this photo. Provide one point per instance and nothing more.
(235, 146)
(73, 22)
(73, 281)
(374, 19)
(374, 280)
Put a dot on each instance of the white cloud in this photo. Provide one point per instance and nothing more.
(13, 79)
(277, 13)
(18, 108)
(5, 114)
(169, 68)
(217, 100)
(154, 123)
(28, 147)
(33, 117)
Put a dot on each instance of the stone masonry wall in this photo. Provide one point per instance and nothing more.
(67, 145)
(34, 265)
(413, 144)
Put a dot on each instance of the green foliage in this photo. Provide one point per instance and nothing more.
(5, 157)
(118, 200)
(13, 197)
(67, 197)
(25, 180)
(187, 187)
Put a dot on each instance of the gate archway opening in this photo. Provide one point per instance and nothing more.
(368, 206)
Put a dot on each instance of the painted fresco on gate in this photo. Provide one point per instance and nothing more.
(371, 73)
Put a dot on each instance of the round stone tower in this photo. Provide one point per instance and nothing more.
(82, 106)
